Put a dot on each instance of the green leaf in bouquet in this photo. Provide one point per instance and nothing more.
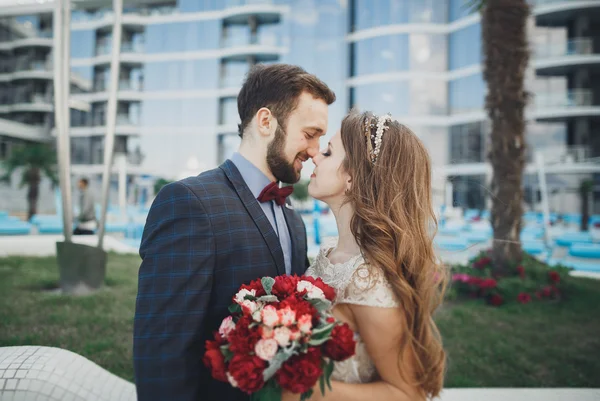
(283, 355)
(328, 373)
(270, 392)
(250, 297)
(227, 354)
(322, 384)
(267, 283)
(235, 308)
(315, 342)
(267, 298)
(305, 396)
(320, 304)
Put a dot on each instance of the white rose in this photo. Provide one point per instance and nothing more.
(312, 291)
(316, 293)
(239, 297)
(231, 380)
(304, 285)
(295, 335)
(270, 317)
(305, 323)
(250, 306)
(287, 316)
(227, 326)
(266, 349)
(282, 336)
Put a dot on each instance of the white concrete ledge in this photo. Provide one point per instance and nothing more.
(49, 374)
(45, 245)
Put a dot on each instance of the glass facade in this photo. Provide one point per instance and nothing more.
(464, 47)
(183, 61)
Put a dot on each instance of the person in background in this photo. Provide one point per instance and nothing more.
(86, 220)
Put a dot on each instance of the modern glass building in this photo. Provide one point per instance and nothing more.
(183, 62)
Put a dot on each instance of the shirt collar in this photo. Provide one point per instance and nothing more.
(254, 178)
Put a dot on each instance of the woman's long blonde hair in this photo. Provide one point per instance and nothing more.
(394, 225)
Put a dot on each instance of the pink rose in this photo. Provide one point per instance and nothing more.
(226, 327)
(282, 336)
(287, 316)
(270, 317)
(266, 332)
(249, 307)
(295, 335)
(266, 349)
(305, 323)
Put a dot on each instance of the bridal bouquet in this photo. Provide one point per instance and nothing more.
(280, 335)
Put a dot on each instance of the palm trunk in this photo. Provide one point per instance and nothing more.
(33, 192)
(504, 31)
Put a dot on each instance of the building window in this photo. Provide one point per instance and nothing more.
(467, 143)
(468, 191)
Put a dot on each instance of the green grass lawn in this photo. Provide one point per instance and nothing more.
(537, 345)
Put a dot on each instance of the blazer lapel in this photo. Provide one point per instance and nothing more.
(256, 212)
(298, 237)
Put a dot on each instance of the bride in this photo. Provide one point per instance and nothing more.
(375, 175)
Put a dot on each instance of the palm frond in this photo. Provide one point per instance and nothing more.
(474, 5)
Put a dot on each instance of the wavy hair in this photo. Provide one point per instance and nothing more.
(394, 225)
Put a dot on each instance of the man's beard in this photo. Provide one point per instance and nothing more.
(282, 169)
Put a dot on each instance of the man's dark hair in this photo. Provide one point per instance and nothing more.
(278, 87)
(85, 181)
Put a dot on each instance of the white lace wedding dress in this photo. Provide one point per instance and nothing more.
(356, 283)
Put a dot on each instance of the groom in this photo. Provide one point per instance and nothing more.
(207, 235)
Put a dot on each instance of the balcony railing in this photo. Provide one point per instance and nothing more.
(124, 84)
(573, 47)
(572, 98)
(103, 49)
(250, 40)
(566, 154)
(548, 2)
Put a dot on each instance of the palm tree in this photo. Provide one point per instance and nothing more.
(506, 55)
(35, 160)
(585, 188)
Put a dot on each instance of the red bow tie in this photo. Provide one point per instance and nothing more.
(273, 192)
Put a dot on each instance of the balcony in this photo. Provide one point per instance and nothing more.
(559, 12)
(560, 59)
(126, 47)
(560, 106)
(27, 42)
(240, 11)
(566, 154)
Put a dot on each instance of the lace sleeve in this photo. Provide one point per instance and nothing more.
(368, 287)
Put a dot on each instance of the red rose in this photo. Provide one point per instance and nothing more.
(215, 361)
(341, 345)
(243, 339)
(254, 285)
(301, 372)
(524, 298)
(317, 282)
(247, 371)
(284, 286)
(476, 281)
(496, 300)
(547, 291)
(554, 276)
(521, 271)
(300, 305)
(488, 283)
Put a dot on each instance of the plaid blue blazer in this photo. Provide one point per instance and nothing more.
(204, 237)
